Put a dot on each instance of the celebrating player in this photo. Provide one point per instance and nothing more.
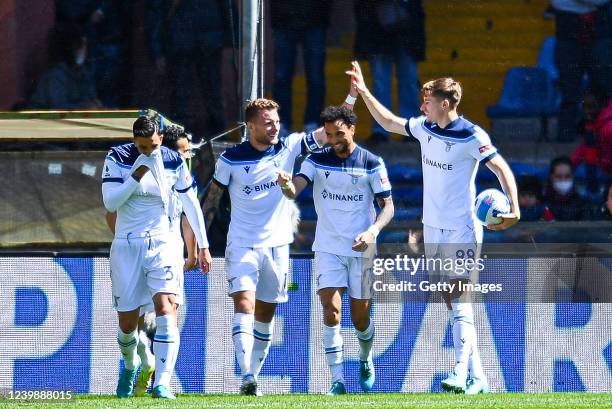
(346, 179)
(451, 149)
(136, 184)
(260, 231)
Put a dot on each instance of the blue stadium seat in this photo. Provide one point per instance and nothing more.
(546, 60)
(399, 173)
(527, 169)
(412, 194)
(527, 92)
(407, 213)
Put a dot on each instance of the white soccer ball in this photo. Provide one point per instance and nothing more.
(490, 203)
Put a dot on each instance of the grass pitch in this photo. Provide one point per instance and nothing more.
(370, 401)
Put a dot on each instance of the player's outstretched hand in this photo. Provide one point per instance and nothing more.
(205, 260)
(283, 178)
(357, 80)
(509, 220)
(362, 241)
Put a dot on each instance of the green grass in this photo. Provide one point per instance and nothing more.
(370, 401)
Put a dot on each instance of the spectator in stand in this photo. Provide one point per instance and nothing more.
(560, 195)
(187, 36)
(391, 34)
(68, 84)
(596, 150)
(584, 40)
(106, 25)
(530, 200)
(295, 23)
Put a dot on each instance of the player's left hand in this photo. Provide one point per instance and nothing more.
(508, 220)
(205, 260)
(362, 241)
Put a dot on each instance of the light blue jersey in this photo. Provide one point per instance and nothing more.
(344, 191)
(261, 214)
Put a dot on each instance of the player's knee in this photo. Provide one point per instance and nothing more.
(128, 326)
(331, 315)
(244, 306)
(361, 323)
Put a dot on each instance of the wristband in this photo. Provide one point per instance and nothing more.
(350, 99)
(374, 230)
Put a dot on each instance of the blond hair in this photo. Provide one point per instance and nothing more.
(259, 104)
(444, 88)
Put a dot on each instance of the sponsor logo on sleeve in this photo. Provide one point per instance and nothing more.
(484, 148)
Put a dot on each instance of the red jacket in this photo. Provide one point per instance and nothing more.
(599, 154)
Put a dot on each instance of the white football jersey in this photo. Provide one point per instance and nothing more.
(344, 191)
(144, 210)
(450, 158)
(260, 213)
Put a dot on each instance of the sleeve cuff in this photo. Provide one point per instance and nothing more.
(488, 158)
(379, 195)
(304, 177)
(116, 180)
(407, 126)
(221, 185)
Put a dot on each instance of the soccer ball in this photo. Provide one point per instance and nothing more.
(490, 203)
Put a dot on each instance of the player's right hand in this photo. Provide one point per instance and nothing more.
(283, 178)
(357, 79)
(140, 172)
(205, 260)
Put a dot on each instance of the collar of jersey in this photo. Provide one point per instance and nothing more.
(448, 133)
(350, 170)
(257, 156)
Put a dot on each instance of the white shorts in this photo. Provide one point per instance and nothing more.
(263, 270)
(142, 267)
(353, 273)
(455, 245)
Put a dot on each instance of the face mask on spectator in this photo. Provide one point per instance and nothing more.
(563, 186)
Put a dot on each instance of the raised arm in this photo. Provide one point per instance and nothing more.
(387, 119)
(504, 174)
(349, 102)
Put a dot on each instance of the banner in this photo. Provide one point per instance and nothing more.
(58, 332)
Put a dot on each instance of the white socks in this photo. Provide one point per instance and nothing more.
(165, 345)
(262, 334)
(242, 334)
(464, 335)
(147, 359)
(332, 341)
(366, 339)
(127, 345)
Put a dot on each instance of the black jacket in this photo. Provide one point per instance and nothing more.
(178, 28)
(300, 14)
(372, 38)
